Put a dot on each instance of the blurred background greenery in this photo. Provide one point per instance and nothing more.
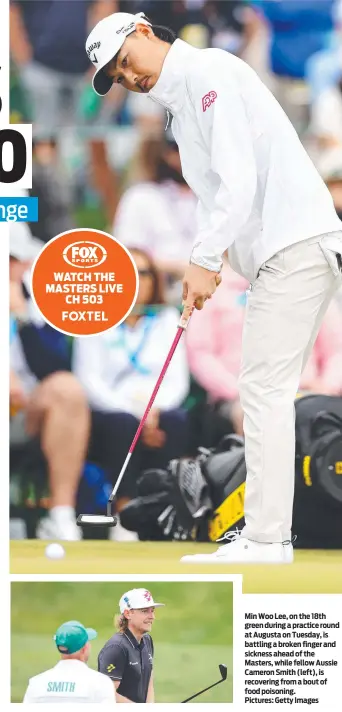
(192, 635)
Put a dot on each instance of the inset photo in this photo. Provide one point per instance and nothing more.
(140, 642)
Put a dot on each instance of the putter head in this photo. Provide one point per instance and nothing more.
(96, 520)
(223, 671)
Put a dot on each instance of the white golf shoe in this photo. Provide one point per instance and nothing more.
(60, 525)
(240, 550)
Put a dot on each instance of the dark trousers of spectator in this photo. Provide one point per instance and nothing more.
(209, 423)
(111, 438)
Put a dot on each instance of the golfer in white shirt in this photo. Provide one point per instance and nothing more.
(71, 680)
(260, 198)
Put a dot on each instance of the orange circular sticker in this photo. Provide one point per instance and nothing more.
(84, 282)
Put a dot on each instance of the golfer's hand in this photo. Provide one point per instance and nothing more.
(199, 284)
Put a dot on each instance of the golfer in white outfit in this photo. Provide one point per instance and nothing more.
(260, 198)
(71, 680)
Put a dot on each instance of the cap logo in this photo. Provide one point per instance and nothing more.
(95, 45)
(125, 29)
(126, 599)
(148, 596)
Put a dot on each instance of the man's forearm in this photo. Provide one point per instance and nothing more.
(150, 695)
(121, 698)
(150, 691)
(118, 697)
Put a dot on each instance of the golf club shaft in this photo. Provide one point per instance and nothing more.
(181, 328)
(201, 691)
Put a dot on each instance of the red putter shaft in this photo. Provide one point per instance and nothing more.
(183, 323)
(157, 386)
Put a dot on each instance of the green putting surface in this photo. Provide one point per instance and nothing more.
(192, 635)
(312, 571)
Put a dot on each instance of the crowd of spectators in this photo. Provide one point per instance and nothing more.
(75, 404)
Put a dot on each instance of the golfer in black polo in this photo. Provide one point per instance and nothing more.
(127, 658)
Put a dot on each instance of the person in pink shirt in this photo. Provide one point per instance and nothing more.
(214, 339)
(323, 371)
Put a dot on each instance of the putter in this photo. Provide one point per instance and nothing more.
(109, 520)
(223, 672)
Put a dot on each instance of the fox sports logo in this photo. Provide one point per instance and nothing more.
(84, 254)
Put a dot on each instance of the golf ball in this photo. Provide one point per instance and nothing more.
(54, 551)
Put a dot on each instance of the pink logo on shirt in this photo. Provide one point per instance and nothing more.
(208, 100)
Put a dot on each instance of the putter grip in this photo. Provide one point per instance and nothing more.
(184, 321)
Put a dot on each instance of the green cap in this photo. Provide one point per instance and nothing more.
(72, 636)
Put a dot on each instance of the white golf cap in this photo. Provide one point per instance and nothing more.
(138, 598)
(105, 41)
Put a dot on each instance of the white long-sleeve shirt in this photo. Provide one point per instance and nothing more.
(70, 681)
(258, 191)
(119, 368)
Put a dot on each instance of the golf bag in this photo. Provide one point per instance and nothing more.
(317, 512)
(203, 498)
(171, 504)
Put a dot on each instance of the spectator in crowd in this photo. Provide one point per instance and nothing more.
(46, 401)
(323, 372)
(157, 213)
(118, 370)
(50, 186)
(297, 30)
(148, 118)
(326, 114)
(323, 68)
(203, 23)
(330, 168)
(214, 339)
(324, 74)
(47, 42)
(227, 23)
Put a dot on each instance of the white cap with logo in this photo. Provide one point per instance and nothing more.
(105, 41)
(138, 598)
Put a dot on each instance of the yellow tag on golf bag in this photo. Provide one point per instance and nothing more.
(227, 514)
(306, 470)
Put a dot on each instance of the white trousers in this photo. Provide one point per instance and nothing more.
(285, 309)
